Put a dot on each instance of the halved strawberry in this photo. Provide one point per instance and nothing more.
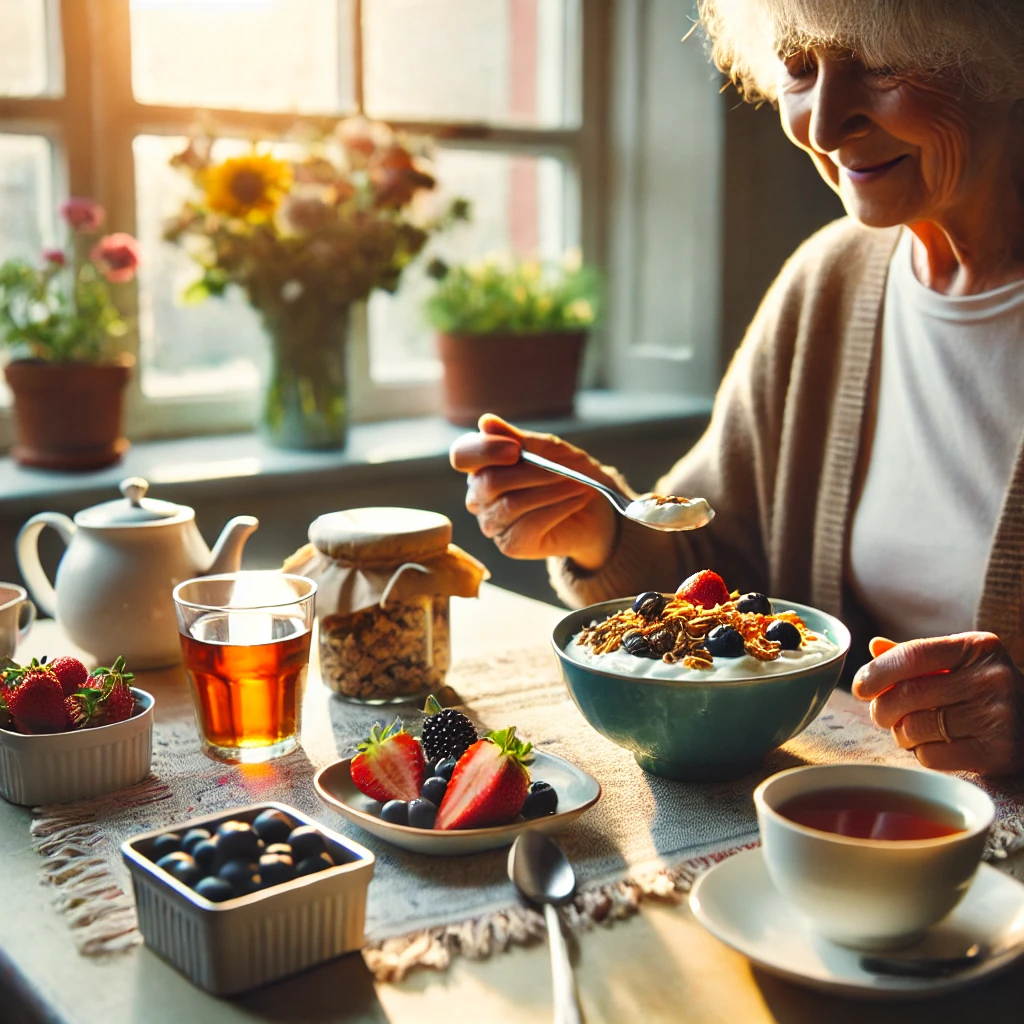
(390, 764)
(489, 784)
(704, 588)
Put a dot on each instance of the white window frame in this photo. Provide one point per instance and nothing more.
(92, 117)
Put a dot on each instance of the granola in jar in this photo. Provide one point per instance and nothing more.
(384, 577)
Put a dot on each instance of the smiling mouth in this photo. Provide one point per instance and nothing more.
(873, 171)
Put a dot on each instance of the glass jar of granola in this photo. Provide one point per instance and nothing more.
(384, 578)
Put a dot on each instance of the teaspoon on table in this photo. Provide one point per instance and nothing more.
(542, 873)
(659, 512)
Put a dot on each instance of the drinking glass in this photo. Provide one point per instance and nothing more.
(245, 642)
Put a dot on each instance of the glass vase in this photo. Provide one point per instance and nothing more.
(306, 405)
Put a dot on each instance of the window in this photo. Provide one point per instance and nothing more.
(95, 95)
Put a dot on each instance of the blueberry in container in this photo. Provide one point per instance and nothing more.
(234, 945)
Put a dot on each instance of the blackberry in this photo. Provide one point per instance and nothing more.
(446, 732)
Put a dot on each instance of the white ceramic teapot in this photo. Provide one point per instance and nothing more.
(123, 559)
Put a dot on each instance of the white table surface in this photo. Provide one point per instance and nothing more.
(657, 966)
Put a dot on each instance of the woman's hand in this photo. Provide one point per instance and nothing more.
(956, 701)
(529, 512)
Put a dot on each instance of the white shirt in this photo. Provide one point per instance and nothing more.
(950, 420)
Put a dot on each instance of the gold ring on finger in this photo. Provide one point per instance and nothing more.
(940, 721)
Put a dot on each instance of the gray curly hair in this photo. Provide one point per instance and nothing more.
(981, 41)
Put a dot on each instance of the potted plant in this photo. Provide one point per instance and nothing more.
(62, 326)
(306, 238)
(511, 334)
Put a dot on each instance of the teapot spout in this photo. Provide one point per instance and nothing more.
(227, 552)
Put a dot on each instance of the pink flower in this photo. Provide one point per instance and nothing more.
(117, 256)
(84, 215)
(56, 257)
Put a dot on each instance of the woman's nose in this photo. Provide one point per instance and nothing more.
(838, 110)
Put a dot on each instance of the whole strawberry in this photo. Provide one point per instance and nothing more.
(36, 703)
(489, 784)
(705, 588)
(390, 764)
(70, 672)
(104, 699)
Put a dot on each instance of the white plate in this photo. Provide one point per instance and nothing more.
(576, 790)
(736, 901)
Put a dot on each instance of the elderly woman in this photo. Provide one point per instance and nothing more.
(864, 453)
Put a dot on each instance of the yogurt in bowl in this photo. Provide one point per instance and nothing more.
(701, 723)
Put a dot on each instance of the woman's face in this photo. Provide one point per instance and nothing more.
(898, 150)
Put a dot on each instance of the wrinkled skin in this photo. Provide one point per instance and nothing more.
(971, 677)
(528, 512)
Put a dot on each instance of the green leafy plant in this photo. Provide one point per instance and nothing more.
(62, 309)
(502, 295)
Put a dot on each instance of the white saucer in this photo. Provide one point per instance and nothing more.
(736, 901)
(577, 791)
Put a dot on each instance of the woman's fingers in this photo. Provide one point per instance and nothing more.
(969, 755)
(919, 693)
(536, 534)
(879, 645)
(962, 721)
(918, 658)
(497, 516)
(473, 452)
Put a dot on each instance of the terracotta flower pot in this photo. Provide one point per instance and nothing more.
(69, 415)
(517, 376)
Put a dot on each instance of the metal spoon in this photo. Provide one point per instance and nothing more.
(926, 966)
(542, 873)
(670, 516)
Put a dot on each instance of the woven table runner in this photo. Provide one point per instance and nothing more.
(646, 838)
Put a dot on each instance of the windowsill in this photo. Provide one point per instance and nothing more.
(242, 463)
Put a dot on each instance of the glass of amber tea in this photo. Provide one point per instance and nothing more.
(245, 641)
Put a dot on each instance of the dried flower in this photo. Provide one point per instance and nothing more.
(84, 215)
(117, 257)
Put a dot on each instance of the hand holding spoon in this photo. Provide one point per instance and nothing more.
(659, 512)
(543, 874)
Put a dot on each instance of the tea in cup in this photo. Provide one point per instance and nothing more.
(872, 855)
(17, 613)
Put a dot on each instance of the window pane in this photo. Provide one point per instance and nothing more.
(274, 55)
(519, 206)
(26, 196)
(215, 347)
(503, 61)
(23, 48)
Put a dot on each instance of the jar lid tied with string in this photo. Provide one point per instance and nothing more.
(384, 578)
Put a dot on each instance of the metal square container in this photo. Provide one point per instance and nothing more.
(242, 943)
(58, 767)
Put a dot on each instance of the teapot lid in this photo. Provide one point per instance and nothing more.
(133, 508)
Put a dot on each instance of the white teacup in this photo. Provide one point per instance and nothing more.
(872, 893)
(17, 613)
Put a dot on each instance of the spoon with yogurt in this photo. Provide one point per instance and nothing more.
(658, 511)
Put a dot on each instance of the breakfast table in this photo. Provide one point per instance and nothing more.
(657, 965)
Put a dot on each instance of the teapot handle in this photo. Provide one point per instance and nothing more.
(27, 552)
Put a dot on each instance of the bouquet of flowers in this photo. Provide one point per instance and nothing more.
(61, 309)
(305, 238)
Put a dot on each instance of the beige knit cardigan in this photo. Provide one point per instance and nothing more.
(779, 460)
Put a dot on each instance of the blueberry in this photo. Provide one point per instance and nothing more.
(237, 841)
(278, 850)
(754, 602)
(445, 767)
(422, 813)
(242, 876)
(661, 641)
(273, 826)
(649, 604)
(784, 633)
(635, 643)
(306, 842)
(541, 799)
(205, 853)
(434, 789)
(193, 837)
(311, 865)
(169, 842)
(181, 866)
(276, 868)
(724, 642)
(216, 890)
(394, 812)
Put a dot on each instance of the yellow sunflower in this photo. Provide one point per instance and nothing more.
(250, 186)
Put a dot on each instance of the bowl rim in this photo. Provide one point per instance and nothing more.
(982, 825)
(141, 696)
(619, 603)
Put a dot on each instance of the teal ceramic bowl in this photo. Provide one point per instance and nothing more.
(695, 730)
